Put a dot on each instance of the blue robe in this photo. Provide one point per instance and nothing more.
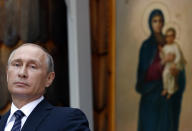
(156, 113)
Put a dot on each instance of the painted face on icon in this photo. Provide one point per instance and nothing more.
(157, 24)
(170, 37)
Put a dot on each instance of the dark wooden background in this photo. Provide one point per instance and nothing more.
(103, 63)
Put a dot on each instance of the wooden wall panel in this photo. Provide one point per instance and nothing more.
(103, 63)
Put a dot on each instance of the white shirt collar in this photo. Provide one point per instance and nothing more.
(26, 109)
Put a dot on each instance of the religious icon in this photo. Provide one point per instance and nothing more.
(153, 52)
(160, 89)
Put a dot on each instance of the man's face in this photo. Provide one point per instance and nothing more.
(157, 24)
(27, 74)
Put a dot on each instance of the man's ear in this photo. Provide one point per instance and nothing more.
(50, 79)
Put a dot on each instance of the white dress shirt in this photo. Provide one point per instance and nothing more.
(26, 109)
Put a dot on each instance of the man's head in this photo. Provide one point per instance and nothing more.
(30, 70)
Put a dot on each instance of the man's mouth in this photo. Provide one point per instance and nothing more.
(20, 84)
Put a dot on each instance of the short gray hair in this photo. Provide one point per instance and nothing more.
(49, 58)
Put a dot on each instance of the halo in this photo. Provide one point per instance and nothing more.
(175, 26)
(147, 11)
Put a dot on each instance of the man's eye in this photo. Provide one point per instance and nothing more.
(16, 64)
(33, 66)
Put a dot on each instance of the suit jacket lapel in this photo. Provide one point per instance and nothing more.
(3, 121)
(37, 116)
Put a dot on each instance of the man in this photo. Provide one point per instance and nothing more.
(30, 71)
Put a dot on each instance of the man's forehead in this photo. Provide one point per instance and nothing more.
(31, 46)
(29, 52)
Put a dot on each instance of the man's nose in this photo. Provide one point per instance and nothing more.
(23, 72)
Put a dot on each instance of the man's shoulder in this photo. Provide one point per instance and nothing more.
(67, 111)
(60, 112)
(69, 118)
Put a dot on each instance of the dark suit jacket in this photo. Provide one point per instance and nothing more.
(46, 117)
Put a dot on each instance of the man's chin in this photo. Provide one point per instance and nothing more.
(19, 94)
